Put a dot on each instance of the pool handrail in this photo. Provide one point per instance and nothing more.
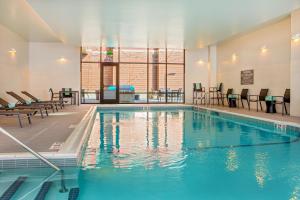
(39, 156)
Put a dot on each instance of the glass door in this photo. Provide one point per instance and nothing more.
(109, 83)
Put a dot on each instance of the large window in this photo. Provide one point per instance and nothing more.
(90, 84)
(145, 75)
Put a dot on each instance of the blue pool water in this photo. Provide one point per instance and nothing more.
(187, 154)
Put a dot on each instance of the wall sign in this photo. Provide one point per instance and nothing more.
(247, 77)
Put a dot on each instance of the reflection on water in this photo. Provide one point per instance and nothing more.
(187, 152)
(232, 163)
(261, 169)
(151, 139)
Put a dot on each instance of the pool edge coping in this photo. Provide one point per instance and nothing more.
(68, 156)
(293, 124)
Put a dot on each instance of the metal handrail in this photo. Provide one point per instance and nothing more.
(36, 154)
(39, 156)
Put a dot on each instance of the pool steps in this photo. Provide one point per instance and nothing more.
(73, 194)
(43, 191)
(14, 188)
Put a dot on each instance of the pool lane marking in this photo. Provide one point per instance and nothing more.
(244, 145)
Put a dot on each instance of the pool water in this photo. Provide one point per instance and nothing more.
(188, 154)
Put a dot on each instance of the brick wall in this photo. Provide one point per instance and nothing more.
(136, 74)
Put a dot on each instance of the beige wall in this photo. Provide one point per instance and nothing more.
(195, 71)
(13, 68)
(201, 65)
(271, 69)
(295, 65)
(47, 71)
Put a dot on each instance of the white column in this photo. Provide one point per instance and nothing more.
(295, 64)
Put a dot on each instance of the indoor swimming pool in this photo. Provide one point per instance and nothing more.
(177, 153)
(181, 153)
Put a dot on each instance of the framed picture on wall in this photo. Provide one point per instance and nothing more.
(247, 77)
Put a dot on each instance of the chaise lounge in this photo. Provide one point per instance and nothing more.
(22, 103)
(50, 102)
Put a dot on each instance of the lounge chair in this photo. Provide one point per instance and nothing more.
(18, 114)
(6, 107)
(259, 98)
(24, 103)
(36, 100)
(286, 98)
(225, 96)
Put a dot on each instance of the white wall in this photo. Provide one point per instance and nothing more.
(271, 69)
(13, 68)
(213, 66)
(201, 67)
(295, 65)
(47, 71)
(194, 71)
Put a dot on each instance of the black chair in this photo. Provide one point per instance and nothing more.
(54, 95)
(82, 95)
(179, 95)
(286, 98)
(259, 98)
(225, 96)
(198, 93)
(216, 93)
(67, 94)
(243, 97)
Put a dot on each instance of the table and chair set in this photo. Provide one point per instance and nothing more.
(215, 96)
(66, 95)
(171, 94)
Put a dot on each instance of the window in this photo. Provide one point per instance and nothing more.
(157, 83)
(90, 54)
(157, 56)
(90, 82)
(133, 83)
(133, 55)
(145, 75)
(175, 84)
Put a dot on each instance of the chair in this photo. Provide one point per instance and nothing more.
(225, 96)
(22, 102)
(67, 93)
(198, 90)
(179, 95)
(161, 94)
(216, 93)
(259, 98)
(8, 110)
(36, 100)
(243, 96)
(18, 114)
(54, 95)
(286, 98)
